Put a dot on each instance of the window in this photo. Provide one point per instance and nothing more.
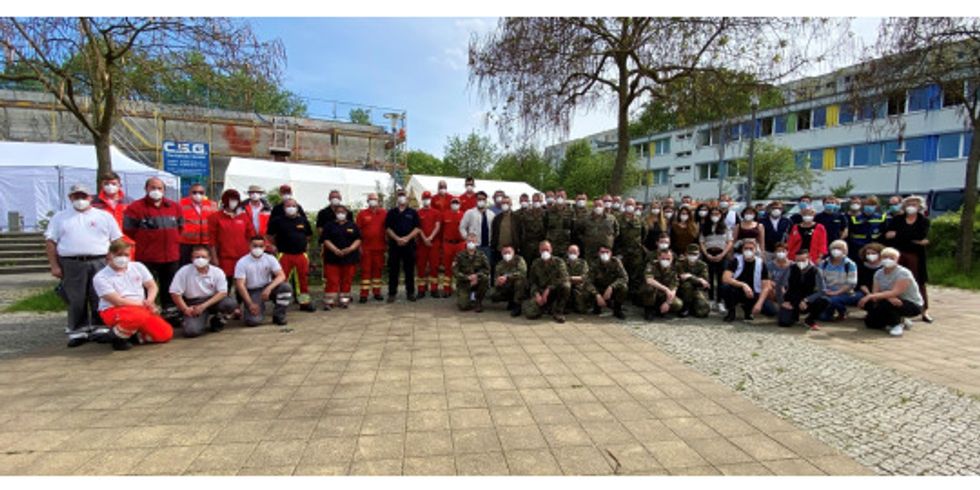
(819, 117)
(662, 146)
(953, 94)
(682, 170)
(918, 99)
(888, 149)
(732, 169)
(659, 176)
(746, 129)
(704, 137)
(949, 146)
(846, 114)
(843, 157)
(915, 150)
(682, 154)
(715, 136)
(803, 120)
(708, 171)
(896, 104)
(681, 186)
(801, 159)
(867, 154)
(816, 159)
(766, 126)
(734, 132)
(780, 124)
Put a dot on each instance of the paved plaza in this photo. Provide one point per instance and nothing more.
(419, 388)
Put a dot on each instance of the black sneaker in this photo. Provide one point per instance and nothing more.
(308, 307)
(412, 298)
(730, 316)
(596, 310)
(618, 313)
(378, 297)
(391, 298)
(217, 323)
(421, 294)
(279, 321)
(559, 317)
(75, 342)
(327, 307)
(362, 300)
(749, 317)
(649, 313)
(515, 311)
(683, 314)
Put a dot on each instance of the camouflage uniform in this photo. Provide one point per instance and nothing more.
(579, 216)
(547, 274)
(583, 294)
(532, 225)
(464, 265)
(598, 231)
(629, 246)
(515, 290)
(558, 228)
(605, 274)
(690, 292)
(653, 297)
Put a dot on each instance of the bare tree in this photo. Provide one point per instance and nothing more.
(91, 64)
(537, 71)
(912, 52)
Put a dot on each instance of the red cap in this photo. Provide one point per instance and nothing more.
(285, 188)
(426, 195)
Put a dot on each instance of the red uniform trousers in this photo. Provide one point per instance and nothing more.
(427, 266)
(372, 266)
(449, 250)
(301, 264)
(339, 278)
(127, 321)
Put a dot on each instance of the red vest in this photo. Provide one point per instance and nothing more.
(467, 202)
(231, 236)
(195, 230)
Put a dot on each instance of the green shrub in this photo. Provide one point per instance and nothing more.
(944, 233)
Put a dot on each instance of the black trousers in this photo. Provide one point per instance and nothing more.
(735, 296)
(883, 314)
(788, 318)
(164, 272)
(715, 271)
(401, 259)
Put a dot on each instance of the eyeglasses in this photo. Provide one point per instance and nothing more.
(197, 193)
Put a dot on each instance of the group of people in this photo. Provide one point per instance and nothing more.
(543, 254)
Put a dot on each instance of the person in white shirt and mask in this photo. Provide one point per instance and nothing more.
(260, 278)
(200, 291)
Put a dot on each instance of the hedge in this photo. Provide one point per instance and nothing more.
(945, 231)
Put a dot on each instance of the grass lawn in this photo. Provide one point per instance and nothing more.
(943, 272)
(42, 301)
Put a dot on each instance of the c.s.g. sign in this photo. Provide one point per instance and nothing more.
(189, 160)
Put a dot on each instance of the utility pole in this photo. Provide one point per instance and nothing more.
(900, 156)
(748, 186)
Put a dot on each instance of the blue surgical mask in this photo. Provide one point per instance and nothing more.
(832, 208)
(895, 208)
(804, 205)
(869, 210)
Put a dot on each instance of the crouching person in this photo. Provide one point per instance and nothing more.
(549, 284)
(582, 295)
(659, 292)
(693, 275)
(260, 278)
(803, 294)
(200, 291)
(510, 281)
(127, 300)
(894, 298)
(472, 272)
(610, 282)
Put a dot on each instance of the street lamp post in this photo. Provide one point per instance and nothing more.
(900, 155)
(748, 186)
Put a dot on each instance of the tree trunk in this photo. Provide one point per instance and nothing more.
(102, 143)
(622, 151)
(964, 252)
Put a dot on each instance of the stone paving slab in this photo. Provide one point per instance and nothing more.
(391, 389)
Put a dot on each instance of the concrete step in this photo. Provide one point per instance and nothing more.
(22, 234)
(23, 269)
(8, 261)
(21, 247)
(33, 252)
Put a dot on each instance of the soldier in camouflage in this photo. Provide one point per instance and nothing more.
(549, 285)
(582, 294)
(558, 224)
(579, 215)
(659, 292)
(610, 283)
(629, 245)
(510, 281)
(693, 275)
(472, 272)
(532, 225)
(599, 230)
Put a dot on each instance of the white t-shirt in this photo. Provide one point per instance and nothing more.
(257, 272)
(87, 232)
(127, 283)
(191, 284)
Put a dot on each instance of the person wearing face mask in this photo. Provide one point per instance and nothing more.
(751, 229)
(429, 246)
(114, 201)
(610, 281)
(452, 243)
(498, 197)
(285, 192)
(525, 204)
(867, 227)
(505, 231)
(806, 202)
(467, 200)
(259, 278)
(838, 277)
(684, 231)
(127, 301)
(780, 265)
(442, 198)
(669, 214)
(328, 213)
(200, 291)
(716, 244)
(693, 275)
(582, 293)
(258, 209)
(894, 296)
(833, 221)
(341, 253)
(230, 230)
(747, 283)
(533, 231)
(808, 235)
(402, 225)
(580, 214)
(701, 213)
(559, 221)
(659, 291)
(471, 270)
(549, 286)
(656, 226)
(908, 233)
(895, 205)
(195, 208)
(853, 206)
(599, 230)
(371, 222)
(549, 198)
(870, 263)
(629, 245)
(775, 226)
(479, 221)
(510, 281)
(803, 294)
(155, 224)
(77, 241)
(290, 233)
(729, 214)
(617, 205)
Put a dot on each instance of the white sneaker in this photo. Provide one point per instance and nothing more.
(907, 323)
(721, 308)
(897, 330)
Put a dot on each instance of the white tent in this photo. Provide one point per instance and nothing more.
(456, 186)
(311, 183)
(35, 177)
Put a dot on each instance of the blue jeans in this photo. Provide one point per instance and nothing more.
(839, 304)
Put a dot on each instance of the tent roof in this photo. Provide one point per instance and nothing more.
(29, 154)
(457, 185)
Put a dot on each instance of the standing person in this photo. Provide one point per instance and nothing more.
(429, 245)
(833, 221)
(582, 293)
(870, 262)
(559, 220)
(510, 281)
(478, 221)
(894, 298)
(77, 241)
(452, 243)
(775, 226)
(285, 193)
(808, 235)
(258, 209)
(610, 281)
(579, 215)
(505, 231)
(443, 198)
(867, 227)
(259, 278)
(402, 226)
(328, 213)
(155, 223)
(656, 226)
(114, 201)
(230, 230)
(747, 284)
(549, 284)
(806, 202)
(127, 300)
(200, 291)
(895, 204)
(599, 230)
(693, 275)
(498, 197)
(341, 253)
(716, 244)
(729, 215)
(749, 228)
(838, 277)
(371, 223)
(683, 232)
(803, 294)
(702, 212)
(467, 200)
(629, 244)
(659, 292)
(533, 230)
(195, 209)
(290, 232)
(471, 269)
(908, 233)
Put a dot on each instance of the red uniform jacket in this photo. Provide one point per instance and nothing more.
(156, 230)
(428, 218)
(196, 223)
(441, 201)
(467, 201)
(231, 236)
(818, 242)
(450, 226)
(372, 225)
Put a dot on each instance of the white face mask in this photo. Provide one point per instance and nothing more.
(776, 213)
(889, 263)
(871, 258)
(286, 197)
(426, 202)
(665, 263)
(855, 207)
(232, 204)
(197, 198)
(334, 201)
(469, 188)
(549, 200)
(481, 204)
(81, 204)
(402, 200)
(508, 257)
(597, 210)
(630, 209)
(702, 213)
(155, 194)
(837, 253)
(341, 216)
(683, 218)
(454, 207)
(497, 199)
(749, 217)
(201, 262)
(607, 204)
(748, 254)
(808, 219)
(442, 192)
(663, 246)
(291, 211)
(780, 255)
(536, 204)
(572, 256)
(723, 205)
(560, 201)
(911, 210)
(257, 252)
(470, 246)
(110, 189)
(580, 203)
(505, 207)
(803, 264)
(525, 204)
(120, 261)
(615, 206)
(373, 203)
(693, 258)
(604, 257)
(668, 215)
(715, 219)
(546, 255)
(654, 211)
(255, 196)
